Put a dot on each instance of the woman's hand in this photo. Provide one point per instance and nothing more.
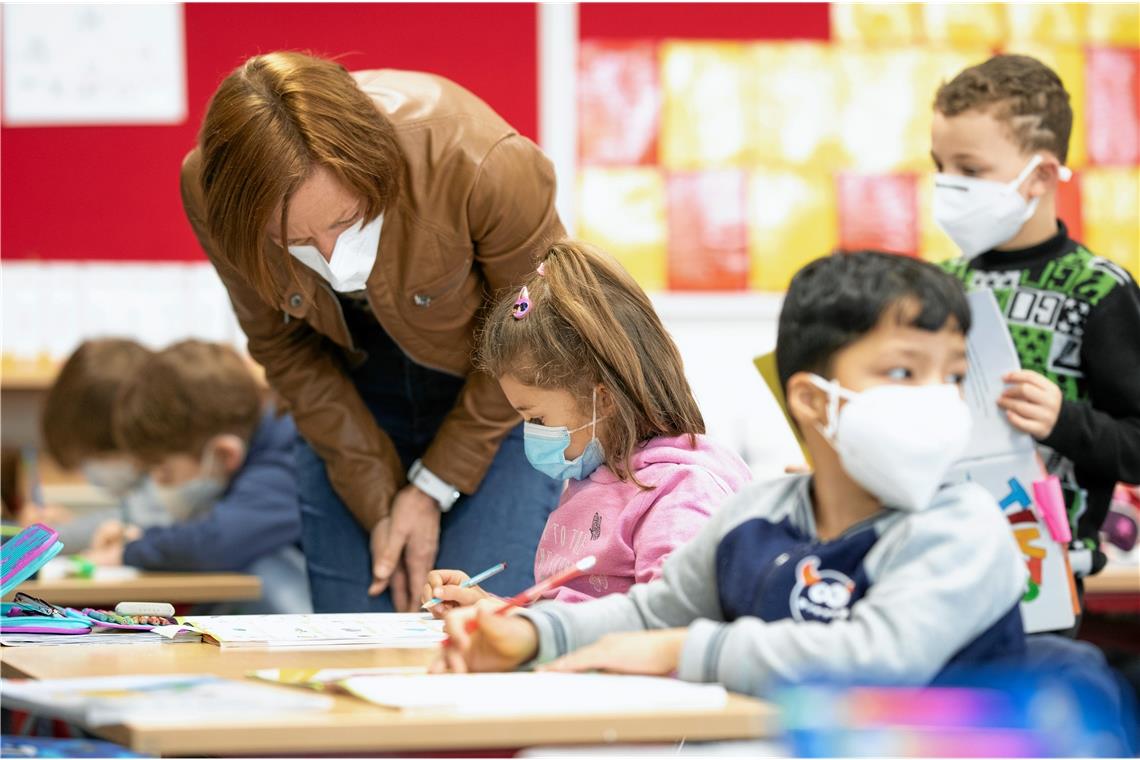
(500, 642)
(445, 585)
(404, 546)
(650, 653)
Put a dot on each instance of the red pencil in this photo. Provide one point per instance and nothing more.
(534, 592)
(537, 590)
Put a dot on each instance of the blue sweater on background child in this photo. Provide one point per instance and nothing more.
(255, 525)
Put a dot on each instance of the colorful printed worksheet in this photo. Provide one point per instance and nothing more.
(394, 630)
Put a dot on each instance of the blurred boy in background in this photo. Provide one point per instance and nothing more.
(195, 417)
(78, 435)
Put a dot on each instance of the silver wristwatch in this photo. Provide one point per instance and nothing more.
(427, 481)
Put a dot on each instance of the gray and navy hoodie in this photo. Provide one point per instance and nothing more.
(899, 597)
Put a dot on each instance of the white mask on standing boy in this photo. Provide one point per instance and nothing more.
(981, 214)
(352, 258)
(897, 441)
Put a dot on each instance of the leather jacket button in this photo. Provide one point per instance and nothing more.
(421, 300)
(296, 300)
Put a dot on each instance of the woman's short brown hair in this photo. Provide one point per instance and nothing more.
(271, 122)
(182, 397)
(76, 420)
(1023, 93)
(590, 323)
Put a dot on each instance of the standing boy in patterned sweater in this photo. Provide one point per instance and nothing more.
(1000, 139)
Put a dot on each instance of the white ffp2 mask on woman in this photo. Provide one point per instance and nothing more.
(352, 258)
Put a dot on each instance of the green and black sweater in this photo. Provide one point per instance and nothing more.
(1075, 318)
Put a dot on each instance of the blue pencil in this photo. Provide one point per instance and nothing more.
(490, 572)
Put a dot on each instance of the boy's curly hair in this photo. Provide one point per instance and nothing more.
(1020, 91)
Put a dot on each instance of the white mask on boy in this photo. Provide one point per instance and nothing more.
(352, 258)
(897, 441)
(980, 214)
(197, 496)
(114, 476)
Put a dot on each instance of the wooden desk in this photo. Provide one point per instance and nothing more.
(354, 725)
(175, 588)
(1114, 589)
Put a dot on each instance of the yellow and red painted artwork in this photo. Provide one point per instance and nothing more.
(736, 161)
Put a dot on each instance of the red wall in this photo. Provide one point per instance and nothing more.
(111, 193)
(695, 21)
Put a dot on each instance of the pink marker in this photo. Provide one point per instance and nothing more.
(1051, 504)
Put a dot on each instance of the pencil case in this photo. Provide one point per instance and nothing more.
(14, 619)
(23, 555)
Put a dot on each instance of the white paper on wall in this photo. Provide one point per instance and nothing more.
(94, 64)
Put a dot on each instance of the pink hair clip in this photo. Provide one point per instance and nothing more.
(542, 269)
(522, 304)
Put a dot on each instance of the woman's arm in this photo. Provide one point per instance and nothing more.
(362, 462)
(512, 220)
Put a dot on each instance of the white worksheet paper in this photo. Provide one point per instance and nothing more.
(393, 630)
(531, 693)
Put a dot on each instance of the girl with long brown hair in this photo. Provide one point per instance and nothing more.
(583, 357)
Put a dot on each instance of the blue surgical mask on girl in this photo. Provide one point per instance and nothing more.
(545, 448)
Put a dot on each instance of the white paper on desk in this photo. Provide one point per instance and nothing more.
(158, 699)
(527, 693)
(410, 630)
(991, 355)
(100, 637)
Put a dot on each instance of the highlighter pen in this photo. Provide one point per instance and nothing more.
(490, 572)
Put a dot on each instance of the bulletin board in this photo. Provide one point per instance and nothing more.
(104, 191)
(721, 147)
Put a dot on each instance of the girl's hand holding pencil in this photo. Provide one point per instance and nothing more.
(447, 589)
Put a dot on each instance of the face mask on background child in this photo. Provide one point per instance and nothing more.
(981, 214)
(114, 476)
(546, 446)
(195, 496)
(352, 258)
(897, 441)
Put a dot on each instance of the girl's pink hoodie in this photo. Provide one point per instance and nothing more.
(632, 531)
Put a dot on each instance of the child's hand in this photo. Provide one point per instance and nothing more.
(445, 585)
(651, 653)
(1032, 402)
(107, 543)
(114, 532)
(501, 642)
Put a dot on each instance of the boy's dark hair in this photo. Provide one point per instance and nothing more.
(182, 397)
(1025, 94)
(834, 301)
(76, 419)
